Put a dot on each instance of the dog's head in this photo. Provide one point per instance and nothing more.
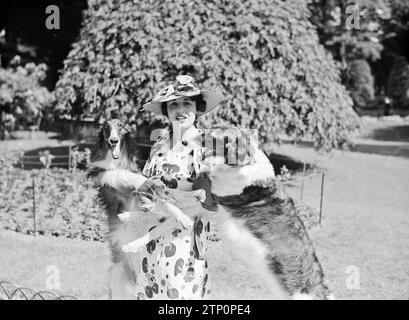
(112, 135)
(236, 161)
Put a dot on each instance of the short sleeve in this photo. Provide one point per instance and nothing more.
(157, 149)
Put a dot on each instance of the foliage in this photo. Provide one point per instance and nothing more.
(361, 83)
(78, 157)
(346, 42)
(381, 34)
(262, 55)
(400, 16)
(21, 93)
(65, 202)
(398, 84)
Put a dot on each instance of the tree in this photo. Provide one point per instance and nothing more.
(263, 55)
(351, 29)
(361, 83)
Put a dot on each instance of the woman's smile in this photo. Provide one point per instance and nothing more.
(181, 117)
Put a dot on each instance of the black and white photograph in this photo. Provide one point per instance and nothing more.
(229, 150)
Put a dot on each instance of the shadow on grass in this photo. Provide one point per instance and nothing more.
(394, 133)
(278, 161)
(391, 141)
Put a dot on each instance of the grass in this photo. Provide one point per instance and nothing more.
(365, 224)
(83, 267)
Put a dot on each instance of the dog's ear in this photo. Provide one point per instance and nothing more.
(101, 137)
(128, 127)
(133, 150)
(130, 136)
(97, 150)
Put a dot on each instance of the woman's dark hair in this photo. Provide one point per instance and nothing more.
(200, 104)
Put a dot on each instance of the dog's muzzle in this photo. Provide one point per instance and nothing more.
(115, 147)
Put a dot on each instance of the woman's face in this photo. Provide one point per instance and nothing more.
(182, 112)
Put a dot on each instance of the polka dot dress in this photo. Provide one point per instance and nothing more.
(174, 266)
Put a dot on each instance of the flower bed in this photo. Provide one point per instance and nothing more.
(63, 203)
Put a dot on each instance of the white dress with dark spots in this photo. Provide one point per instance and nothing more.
(174, 265)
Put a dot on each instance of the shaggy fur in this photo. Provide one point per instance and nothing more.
(133, 203)
(114, 171)
(122, 189)
(260, 224)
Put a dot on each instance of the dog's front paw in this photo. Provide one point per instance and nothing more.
(200, 195)
(180, 217)
(136, 245)
(185, 221)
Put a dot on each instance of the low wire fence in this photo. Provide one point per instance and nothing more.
(10, 291)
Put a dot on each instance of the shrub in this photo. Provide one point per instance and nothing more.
(361, 83)
(263, 55)
(22, 97)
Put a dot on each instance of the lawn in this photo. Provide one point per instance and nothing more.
(364, 229)
(28, 261)
(365, 225)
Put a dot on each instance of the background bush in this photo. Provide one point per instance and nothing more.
(263, 55)
(22, 96)
(361, 83)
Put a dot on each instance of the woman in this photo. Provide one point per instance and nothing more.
(174, 265)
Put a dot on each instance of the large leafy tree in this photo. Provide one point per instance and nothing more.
(353, 31)
(263, 55)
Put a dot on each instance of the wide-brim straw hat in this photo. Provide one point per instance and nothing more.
(183, 88)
